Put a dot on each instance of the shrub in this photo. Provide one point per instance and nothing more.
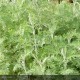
(38, 35)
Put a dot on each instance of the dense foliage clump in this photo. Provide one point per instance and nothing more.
(39, 37)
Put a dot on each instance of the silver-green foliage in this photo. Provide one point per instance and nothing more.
(39, 37)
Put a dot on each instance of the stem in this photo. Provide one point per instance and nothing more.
(35, 44)
(32, 26)
(63, 52)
